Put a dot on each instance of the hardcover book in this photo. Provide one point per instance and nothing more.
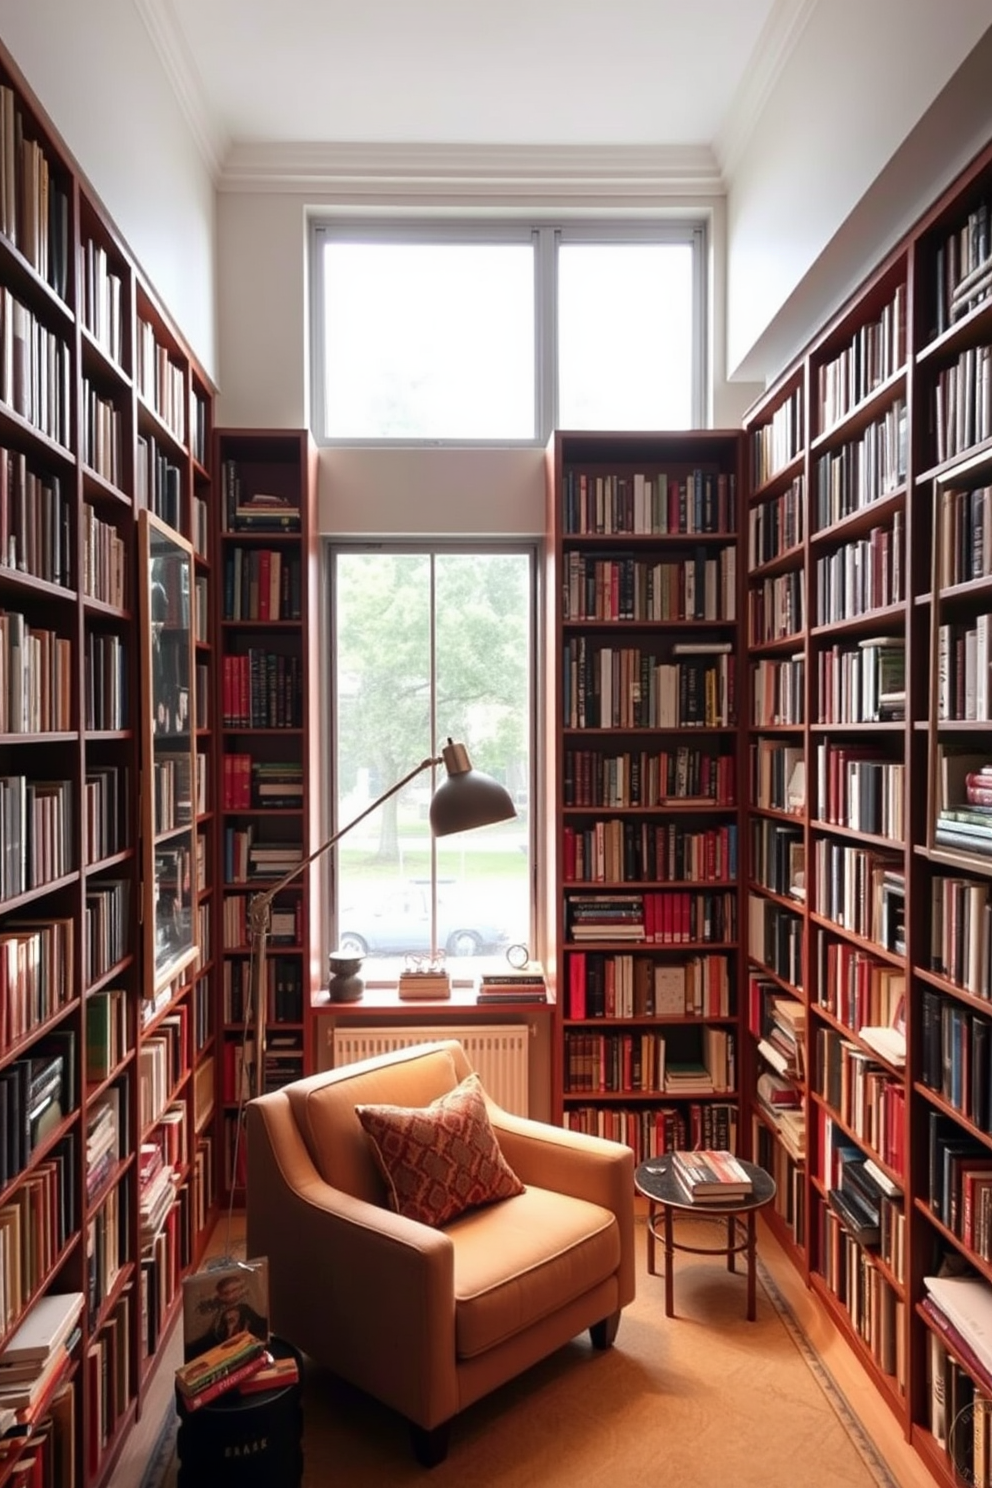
(711, 1174)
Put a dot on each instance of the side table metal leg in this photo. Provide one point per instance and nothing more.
(652, 1220)
(731, 1241)
(751, 1302)
(669, 1263)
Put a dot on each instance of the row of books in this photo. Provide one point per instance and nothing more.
(652, 1130)
(776, 526)
(875, 353)
(261, 784)
(777, 441)
(605, 687)
(864, 683)
(659, 917)
(700, 587)
(261, 689)
(35, 533)
(623, 985)
(649, 1061)
(619, 851)
(261, 584)
(642, 778)
(853, 476)
(776, 608)
(655, 502)
(778, 691)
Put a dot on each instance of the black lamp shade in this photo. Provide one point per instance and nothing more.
(467, 798)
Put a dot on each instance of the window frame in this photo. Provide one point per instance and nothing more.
(546, 235)
(330, 881)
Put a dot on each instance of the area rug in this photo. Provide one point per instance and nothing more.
(698, 1399)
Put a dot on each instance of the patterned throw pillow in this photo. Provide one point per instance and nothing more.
(441, 1159)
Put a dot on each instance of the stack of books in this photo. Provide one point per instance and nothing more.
(711, 1176)
(37, 1360)
(525, 985)
(224, 1367)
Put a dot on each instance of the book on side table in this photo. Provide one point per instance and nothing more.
(711, 1175)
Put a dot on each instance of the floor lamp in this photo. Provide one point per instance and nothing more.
(465, 798)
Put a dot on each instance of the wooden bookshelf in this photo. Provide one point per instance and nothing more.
(646, 901)
(80, 1026)
(883, 695)
(267, 609)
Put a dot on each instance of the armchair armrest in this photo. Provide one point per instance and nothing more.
(586, 1167)
(360, 1289)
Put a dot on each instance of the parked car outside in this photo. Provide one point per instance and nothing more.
(399, 923)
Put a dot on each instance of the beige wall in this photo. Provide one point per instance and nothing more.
(262, 243)
(860, 76)
(92, 66)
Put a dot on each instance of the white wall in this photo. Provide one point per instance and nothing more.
(93, 68)
(262, 301)
(838, 112)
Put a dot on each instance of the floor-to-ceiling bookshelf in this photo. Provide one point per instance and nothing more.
(645, 736)
(267, 606)
(871, 712)
(90, 432)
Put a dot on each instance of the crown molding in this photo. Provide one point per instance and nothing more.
(779, 37)
(184, 78)
(475, 172)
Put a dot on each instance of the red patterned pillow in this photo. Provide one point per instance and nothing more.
(441, 1159)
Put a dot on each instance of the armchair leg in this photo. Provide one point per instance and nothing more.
(430, 1446)
(605, 1331)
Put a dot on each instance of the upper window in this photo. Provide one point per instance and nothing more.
(499, 334)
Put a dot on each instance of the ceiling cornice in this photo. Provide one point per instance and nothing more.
(474, 171)
(779, 36)
(184, 78)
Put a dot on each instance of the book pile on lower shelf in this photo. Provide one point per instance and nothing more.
(711, 1176)
(37, 1361)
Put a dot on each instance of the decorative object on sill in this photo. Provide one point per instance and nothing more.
(344, 982)
(424, 978)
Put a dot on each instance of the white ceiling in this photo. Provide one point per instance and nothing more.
(459, 72)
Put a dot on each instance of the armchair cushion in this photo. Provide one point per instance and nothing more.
(439, 1160)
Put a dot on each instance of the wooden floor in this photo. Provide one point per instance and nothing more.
(852, 1379)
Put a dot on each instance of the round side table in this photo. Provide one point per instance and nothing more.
(244, 1440)
(656, 1180)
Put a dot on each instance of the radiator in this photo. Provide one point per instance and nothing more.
(498, 1053)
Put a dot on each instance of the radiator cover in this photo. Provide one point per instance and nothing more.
(499, 1053)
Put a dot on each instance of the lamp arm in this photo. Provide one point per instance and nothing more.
(261, 904)
(260, 919)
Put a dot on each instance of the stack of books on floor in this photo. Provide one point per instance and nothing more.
(525, 985)
(37, 1360)
(711, 1176)
(227, 1366)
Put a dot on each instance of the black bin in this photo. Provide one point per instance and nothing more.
(244, 1441)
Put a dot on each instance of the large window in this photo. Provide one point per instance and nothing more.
(427, 644)
(499, 334)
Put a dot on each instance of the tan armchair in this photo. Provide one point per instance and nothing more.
(429, 1320)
